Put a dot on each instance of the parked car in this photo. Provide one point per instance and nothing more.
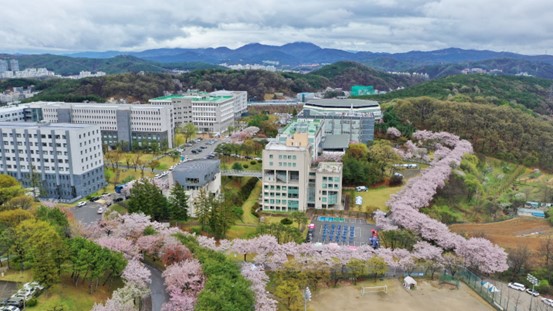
(25, 294)
(361, 188)
(101, 210)
(15, 301)
(9, 308)
(203, 147)
(81, 204)
(532, 292)
(188, 145)
(34, 285)
(118, 199)
(547, 301)
(517, 286)
(194, 151)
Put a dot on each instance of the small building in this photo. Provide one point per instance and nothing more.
(530, 212)
(198, 174)
(409, 282)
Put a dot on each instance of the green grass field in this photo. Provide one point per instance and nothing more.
(248, 217)
(373, 199)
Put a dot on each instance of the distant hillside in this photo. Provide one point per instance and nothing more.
(532, 93)
(347, 74)
(502, 132)
(506, 66)
(131, 87)
(257, 82)
(65, 65)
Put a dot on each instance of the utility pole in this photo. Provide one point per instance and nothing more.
(532, 279)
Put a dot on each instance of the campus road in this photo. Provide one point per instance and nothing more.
(157, 289)
(89, 214)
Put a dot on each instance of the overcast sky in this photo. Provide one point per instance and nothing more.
(523, 26)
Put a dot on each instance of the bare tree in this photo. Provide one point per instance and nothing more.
(518, 259)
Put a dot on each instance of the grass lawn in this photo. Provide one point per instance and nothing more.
(240, 232)
(248, 217)
(228, 162)
(17, 276)
(73, 298)
(374, 199)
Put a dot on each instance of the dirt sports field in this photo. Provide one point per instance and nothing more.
(510, 233)
(428, 296)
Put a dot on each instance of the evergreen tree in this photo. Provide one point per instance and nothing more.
(178, 203)
(148, 199)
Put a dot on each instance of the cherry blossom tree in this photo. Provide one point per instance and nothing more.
(393, 132)
(259, 279)
(184, 280)
(129, 250)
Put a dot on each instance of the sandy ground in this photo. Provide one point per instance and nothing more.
(428, 296)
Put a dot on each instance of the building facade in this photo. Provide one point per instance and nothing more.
(63, 161)
(12, 114)
(292, 178)
(210, 112)
(130, 126)
(197, 175)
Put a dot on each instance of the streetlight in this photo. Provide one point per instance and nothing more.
(532, 279)
(306, 298)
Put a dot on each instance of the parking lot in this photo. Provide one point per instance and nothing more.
(87, 214)
(208, 145)
(343, 231)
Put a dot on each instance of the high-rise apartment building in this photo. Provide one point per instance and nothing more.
(3, 66)
(62, 161)
(14, 65)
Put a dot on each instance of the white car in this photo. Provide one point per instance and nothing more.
(547, 301)
(81, 204)
(517, 286)
(532, 292)
(9, 308)
(101, 210)
(32, 285)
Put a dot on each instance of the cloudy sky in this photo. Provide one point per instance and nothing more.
(523, 26)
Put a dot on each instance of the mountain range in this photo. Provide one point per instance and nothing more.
(302, 53)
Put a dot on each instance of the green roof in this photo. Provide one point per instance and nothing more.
(305, 126)
(202, 97)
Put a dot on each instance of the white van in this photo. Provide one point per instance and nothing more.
(517, 286)
(361, 188)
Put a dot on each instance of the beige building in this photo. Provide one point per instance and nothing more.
(292, 180)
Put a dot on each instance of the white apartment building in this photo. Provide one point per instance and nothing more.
(64, 161)
(133, 126)
(210, 112)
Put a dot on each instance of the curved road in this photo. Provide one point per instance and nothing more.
(157, 289)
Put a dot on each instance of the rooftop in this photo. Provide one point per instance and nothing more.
(94, 105)
(198, 166)
(273, 145)
(336, 141)
(196, 97)
(308, 126)
(53, 126)
(342, 103)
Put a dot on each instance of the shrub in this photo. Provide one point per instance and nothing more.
(127, 179)
(237, 166)
(246, 166)
(286, 221)
(149, 230)
(32, 302)
(253, 162)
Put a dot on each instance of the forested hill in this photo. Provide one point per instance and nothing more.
(141, 87)
(345, 74)
(498, 131)
(533, 93)
(65, 65)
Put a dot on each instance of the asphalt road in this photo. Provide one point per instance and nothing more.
(514, 300)
(157, 289)
(209, 148)
(87, 214)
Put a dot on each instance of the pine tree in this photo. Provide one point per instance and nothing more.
(178, 203)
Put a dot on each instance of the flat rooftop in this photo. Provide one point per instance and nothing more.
(273, 145)
(342, 103)
(195, 98)
(93, 105)
(309, 126)
(198, 166)
(53, 126)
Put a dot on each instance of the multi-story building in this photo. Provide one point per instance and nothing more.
(14, 65)
(64, 161)
(196, 175)
(131, 126)
(353, 123)
(303, 132)
(12, 114)
(292, 179)
(3, 66)
(321, 107)
(210, 112)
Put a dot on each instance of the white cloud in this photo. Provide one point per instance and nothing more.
(381, 25)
